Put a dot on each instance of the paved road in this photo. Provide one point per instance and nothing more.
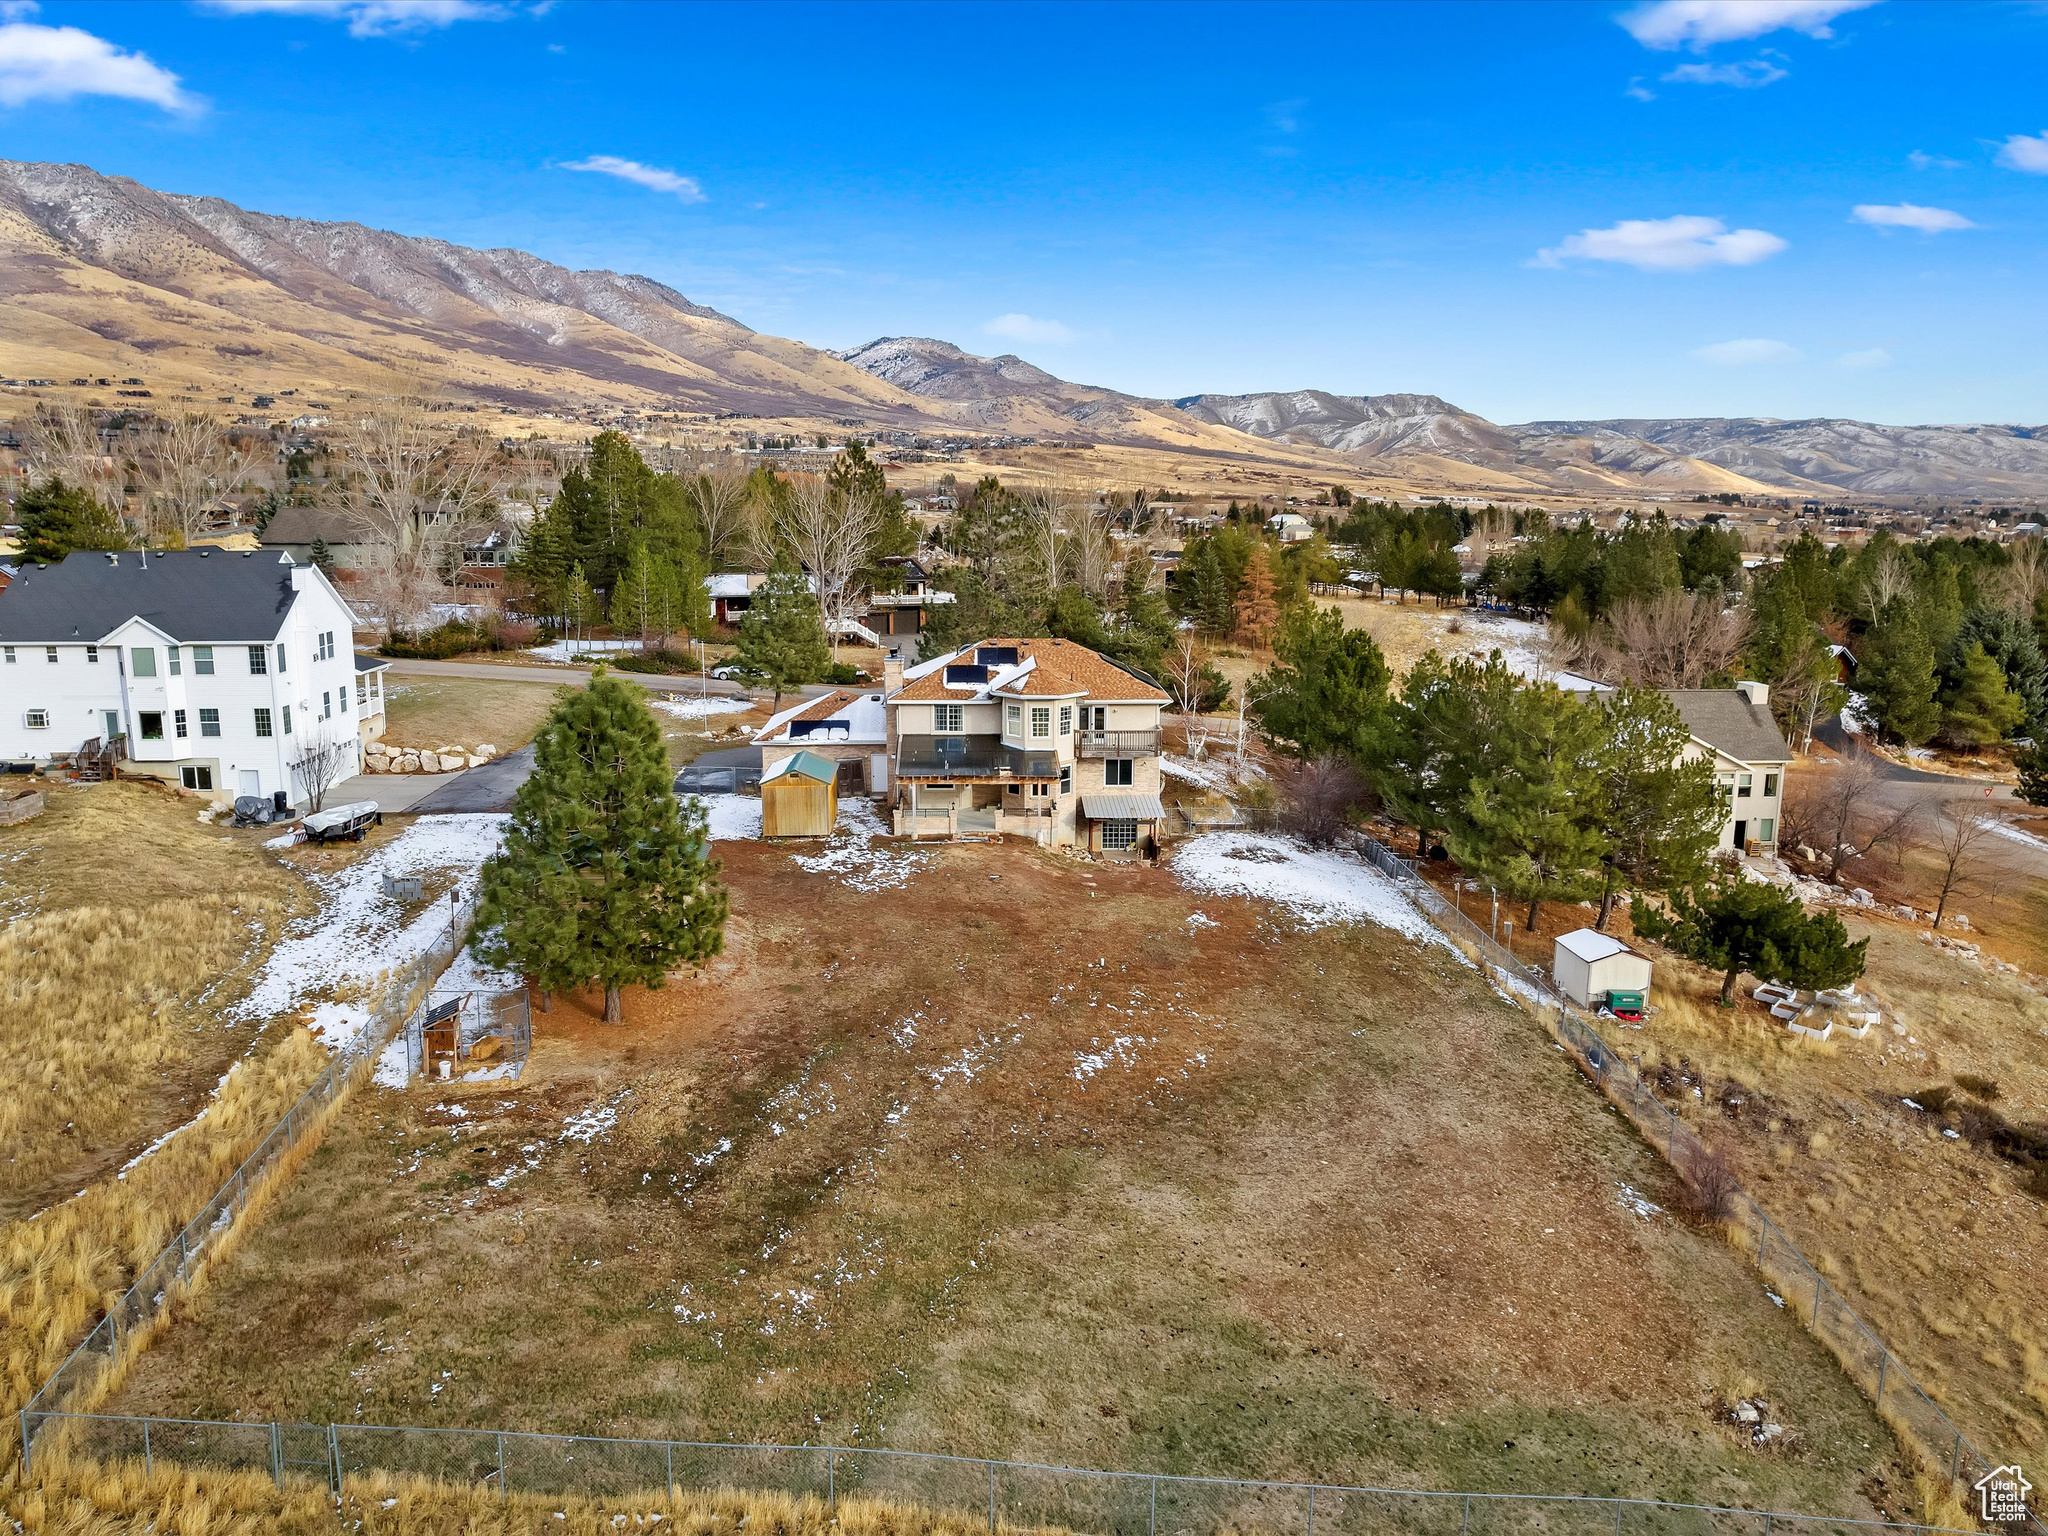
(486, 788)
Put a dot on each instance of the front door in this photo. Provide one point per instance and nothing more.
(1741, 833)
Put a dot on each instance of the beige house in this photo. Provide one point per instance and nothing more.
(1042, 739)
(1734, 727)
(847, 727)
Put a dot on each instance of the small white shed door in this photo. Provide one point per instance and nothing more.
(252, 783)
(878, 772)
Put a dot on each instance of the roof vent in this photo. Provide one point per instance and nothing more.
(204, 552)
(112, 558)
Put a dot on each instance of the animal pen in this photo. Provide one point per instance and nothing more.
(475, 1035)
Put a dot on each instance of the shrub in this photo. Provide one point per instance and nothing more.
(1707, 1185)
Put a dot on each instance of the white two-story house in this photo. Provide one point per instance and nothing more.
(1735, 728)
(1042, 739)
(216, 670)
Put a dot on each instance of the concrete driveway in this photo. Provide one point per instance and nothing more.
(389, 791)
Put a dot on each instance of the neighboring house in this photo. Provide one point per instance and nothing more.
(847, 727)
(295, 530)
(220, 672)
(732, 594)
(897, 616)
(1290, 527)
(1042, 739)
(1734, 727)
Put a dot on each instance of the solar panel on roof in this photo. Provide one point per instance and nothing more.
(996, 655)
(966, 672)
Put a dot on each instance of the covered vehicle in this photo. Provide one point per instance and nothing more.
(342, 822)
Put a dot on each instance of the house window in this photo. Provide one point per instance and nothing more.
(1066, 719)
(36, 719)
(1066, 781)
(1117, 772)
(1040, 791)
(10, 655)
(1013, 720)
(262, 722)
(1742, 781)
(202, 660)
(176, 666)
(1041, 721)
(280, 656)
(1119, 836)
(50, 654)
(144, 657)
(196, 777)
(342, 694)
(178, 724)
(209, 722)
(152, 723)
(1767, 829)
(326, 705)
(92, 654)
(259, 660)
(287, 719)
(1770, 785)
(946, 719)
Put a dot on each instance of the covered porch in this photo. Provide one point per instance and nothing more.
(1121, 825)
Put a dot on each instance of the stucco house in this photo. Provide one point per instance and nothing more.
(1734, 727)
(1033, 738)
(847, 726)
(220, 671)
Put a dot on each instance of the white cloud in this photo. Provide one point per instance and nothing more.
(1682, 243)
(1920, 160)
(1025, 328)
(1931, 221)
(2024, 152)
(1869, 357)
(1741, 354)
(39, 63)
(372, 18)
(1745, 76)
(18, 10)
(1639, 91)
(1699, 24)
(652, 177)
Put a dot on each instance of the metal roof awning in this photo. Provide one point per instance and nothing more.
(1122, 808)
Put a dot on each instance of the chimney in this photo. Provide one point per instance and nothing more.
(1758, 694)
(892, 674)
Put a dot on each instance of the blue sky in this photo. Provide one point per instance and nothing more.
(1534, 211)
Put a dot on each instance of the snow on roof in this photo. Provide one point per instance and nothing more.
(1589, 944)
(846, 714)
(728, 584)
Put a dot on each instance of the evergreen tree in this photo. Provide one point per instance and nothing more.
(644, 598)
(579, 603)
(56, 519)
(1662, 815)
(604, 879)
(322, 556)
(1326, 692)
(1528, 823)
(543, 561)
(782, 634)
(1437, 574)
(1896, 676)
(1256, 612)
(1747, 925)
(2009, 641)
(1980, 708)
(2032, 763)
(1423, 754)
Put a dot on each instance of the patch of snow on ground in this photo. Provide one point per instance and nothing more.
(1635, 1200)
(852, 857)
(1319, 887)
(359, 932)
(572, 650)
(283, 839)
(732, 818)
(1200, 920)
(1122, 1050)
(2018, 835)
(393, 1064)
(1208, 775)
(700, 707)
(338, 1024)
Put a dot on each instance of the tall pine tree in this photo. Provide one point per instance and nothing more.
(1749, 925)
(1896, 675)
(1661, 813)
(56, 519)
(604, 879)
(782, 634)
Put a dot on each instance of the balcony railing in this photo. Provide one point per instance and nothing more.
(1117, 743)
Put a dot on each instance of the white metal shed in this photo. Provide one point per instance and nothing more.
(1588, 964)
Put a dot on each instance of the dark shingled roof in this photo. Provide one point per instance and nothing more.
(196, 596)
(1727, 721)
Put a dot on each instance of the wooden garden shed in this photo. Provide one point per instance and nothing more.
(800, 797)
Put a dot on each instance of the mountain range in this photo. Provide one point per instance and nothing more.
(100, 275)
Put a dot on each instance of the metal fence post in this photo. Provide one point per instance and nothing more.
(1818, 1286)
(672, 1471)
(1618, 1508)
(501, 1468)
(992, 1497)
(24, 1443)
(1152, 1521)
(831, 1482)
(1311, 1510)
(148, 1461)
(1466, 1524)
(1955, 1460)
(276, 1457)
(334, 1460)
(1884, 1358)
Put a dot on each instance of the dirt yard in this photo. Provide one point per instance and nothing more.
(989, 1151)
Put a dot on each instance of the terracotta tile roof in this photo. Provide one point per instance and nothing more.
(1045, 669)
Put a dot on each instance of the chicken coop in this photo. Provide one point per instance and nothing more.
(473, 1035)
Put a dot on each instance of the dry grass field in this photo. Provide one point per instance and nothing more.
(427, 711)
(1016, 1157)
(1933, 1236)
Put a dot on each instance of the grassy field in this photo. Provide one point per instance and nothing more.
(1019, 1158)
(421, 710)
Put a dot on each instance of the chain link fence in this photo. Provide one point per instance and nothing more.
(1797, 1284)
(79, 1380)
(1013, 1496)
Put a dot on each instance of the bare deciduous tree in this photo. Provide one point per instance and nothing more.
(2025, 576)
(1891, 575)
(1963, 842)
(831, 533)
(320, 762)
(1672, 639)
(414, 497)
(1319, 795)
(1046, 516)
(1838, 814)
(719, 493)
(1186, 668)
(186, 464)
(1091, 552)
(64, 441)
